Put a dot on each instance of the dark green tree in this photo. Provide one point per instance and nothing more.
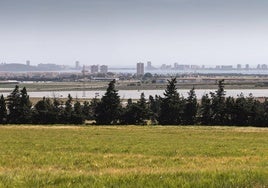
(230, 111)
(77, 115)
(147, 76)
(154, 108)
(129, 113)
(13, 102)
(68, 110)
(257, 116)
(136, 113)
(108, 110)
(205, 110)
(93, 107)
(190, 109)
(265, 114)
(19, 106)
(171, 107)
(57, 111)
(255, 111)
(43, 112)
(218, 105)
(240, 111)
(3, 110)
(143, 115)
(25, 107)
(86, 110)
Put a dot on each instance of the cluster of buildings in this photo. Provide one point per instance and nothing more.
(103, 69)
(10, 67)
(140, 67)
(93, 68)
(98, 69)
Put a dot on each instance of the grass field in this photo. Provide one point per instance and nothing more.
(133, 156)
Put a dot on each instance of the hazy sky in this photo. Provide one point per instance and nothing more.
(123, 32)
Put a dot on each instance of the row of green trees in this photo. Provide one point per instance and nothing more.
(171, 109)
(18, 109)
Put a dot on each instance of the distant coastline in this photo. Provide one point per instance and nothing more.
(24, 69)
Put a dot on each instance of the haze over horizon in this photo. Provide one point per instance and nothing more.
(124, 32)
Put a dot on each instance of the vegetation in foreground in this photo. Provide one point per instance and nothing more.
(171, 109)
(133, 156)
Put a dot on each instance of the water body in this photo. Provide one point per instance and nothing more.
(135, 94)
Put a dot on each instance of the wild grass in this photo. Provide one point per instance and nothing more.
(133, 156)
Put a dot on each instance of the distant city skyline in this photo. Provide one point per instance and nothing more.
(123, 32)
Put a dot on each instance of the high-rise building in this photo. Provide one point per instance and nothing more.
(264, 66)
(194, 67)
(149, 65)
(140, 69)
(94, 69)
(103, 69)
(239, 66)
(247, 66)
(28, 62)
(176, 65)
(226, 67)
(77, 65)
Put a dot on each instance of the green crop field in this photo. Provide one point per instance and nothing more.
(133, 156)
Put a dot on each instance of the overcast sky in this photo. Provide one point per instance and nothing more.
(124, 32)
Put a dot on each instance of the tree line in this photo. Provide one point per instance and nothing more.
(171, 109)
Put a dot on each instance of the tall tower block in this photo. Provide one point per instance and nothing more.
(140, 69)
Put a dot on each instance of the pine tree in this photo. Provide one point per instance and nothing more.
(19, 106)
(57, 111)
(218, 105)
(143, 114)
(190, 110)
(108, 110)
(3, 110)
(86, 110)
(257, 116)
(230, 111)
(154, 108)
(13, 102)
(93, 107)
(129, 113)
(68, 110)
(43, 112)
(240, 116)
(136, 113)
(171, 105)
(205, 110)
(25, 106)
(254, 110)
(265, 114)
(77, 115)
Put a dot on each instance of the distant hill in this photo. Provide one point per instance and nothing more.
(17, 67)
